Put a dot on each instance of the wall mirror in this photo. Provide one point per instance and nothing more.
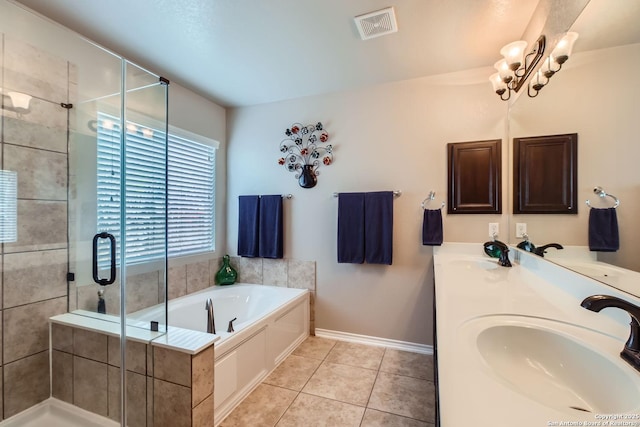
(596, 95)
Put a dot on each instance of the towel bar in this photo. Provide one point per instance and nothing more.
(396, 193)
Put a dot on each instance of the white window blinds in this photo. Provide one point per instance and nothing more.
(189, 184)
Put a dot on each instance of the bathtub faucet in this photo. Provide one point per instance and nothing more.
(211, 324)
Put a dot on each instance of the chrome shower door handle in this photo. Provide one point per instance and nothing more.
(112, 276)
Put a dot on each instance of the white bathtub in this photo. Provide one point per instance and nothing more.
(271, 322)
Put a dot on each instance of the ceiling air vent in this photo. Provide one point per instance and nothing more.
(376, 24)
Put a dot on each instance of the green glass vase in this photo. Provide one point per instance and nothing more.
(227, 275)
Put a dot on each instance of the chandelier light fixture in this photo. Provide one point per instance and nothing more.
(516, 67)
(552, 64)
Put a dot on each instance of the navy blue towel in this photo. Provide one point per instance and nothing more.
(378, 227)
(603, 230)
(351, 228)
(270, 229)
(248, 214)
(432, 227)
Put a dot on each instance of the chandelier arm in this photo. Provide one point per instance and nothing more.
(536, 55)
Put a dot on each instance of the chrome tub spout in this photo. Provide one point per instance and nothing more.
(211, 324)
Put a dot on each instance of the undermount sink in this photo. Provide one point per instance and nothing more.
(562, 366)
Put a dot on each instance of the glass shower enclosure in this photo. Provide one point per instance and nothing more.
(83, 230)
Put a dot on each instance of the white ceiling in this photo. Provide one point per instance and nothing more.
(246, 52)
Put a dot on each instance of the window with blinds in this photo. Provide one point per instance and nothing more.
(188, 186)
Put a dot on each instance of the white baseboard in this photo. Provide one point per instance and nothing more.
(380, 342)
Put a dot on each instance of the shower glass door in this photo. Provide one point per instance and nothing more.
(117, 223)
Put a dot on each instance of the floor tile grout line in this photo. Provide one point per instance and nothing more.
(306, 382)
(373, 386)
(378, 370)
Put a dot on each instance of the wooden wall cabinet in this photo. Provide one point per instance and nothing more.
(475, 170)
(545, 174)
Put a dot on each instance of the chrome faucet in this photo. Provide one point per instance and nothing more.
(211, 324)
(631, 351)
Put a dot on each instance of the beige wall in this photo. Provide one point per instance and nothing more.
(594, 95)
(389, 137)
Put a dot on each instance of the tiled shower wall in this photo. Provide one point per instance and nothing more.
(33, 279)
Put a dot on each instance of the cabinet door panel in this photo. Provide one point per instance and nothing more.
(545, 174)
(475, 170)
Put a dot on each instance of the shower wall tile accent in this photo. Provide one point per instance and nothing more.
(31, 70)
(43, 174)
(62, 369)
(42, 225)
(34, 274)
(26, 383)
(175, 388)
(26, 329)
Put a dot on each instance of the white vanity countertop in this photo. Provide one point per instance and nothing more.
(470, 285)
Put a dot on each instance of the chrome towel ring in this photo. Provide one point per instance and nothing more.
(601, 193)
(430, 197)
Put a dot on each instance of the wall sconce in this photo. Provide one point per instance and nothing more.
(552, 64)
(8, 206)
(17, 102)
(515, 67)
(303, 152)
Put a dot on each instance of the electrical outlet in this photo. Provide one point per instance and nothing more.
(494, 229)
(521, 229)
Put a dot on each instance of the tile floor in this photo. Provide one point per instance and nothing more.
(334, 383)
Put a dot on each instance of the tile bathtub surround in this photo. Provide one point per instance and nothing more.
(327, 382)
(280, 272)
(176, 388)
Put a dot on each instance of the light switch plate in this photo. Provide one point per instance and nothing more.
(521, 229)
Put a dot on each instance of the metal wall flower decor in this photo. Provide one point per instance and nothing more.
(304, 152)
